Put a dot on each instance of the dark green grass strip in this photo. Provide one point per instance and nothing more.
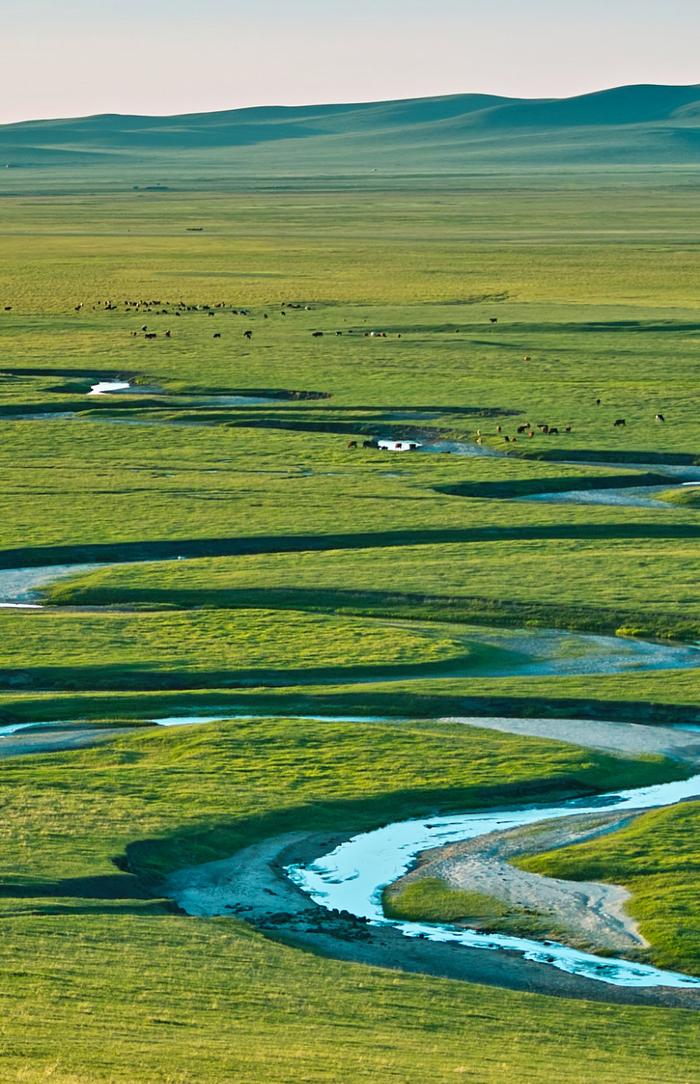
(527, 487)
(166, 549)
(472, 610)
(395, 704)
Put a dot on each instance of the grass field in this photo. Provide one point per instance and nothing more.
(310, 558)
(97, 943)
(654, 857)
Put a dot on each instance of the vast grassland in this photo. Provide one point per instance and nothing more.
(306, 557)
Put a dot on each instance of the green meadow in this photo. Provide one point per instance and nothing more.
(318, 578)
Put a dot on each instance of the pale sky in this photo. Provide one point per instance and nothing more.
(61, 58)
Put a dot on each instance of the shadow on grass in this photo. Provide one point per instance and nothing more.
(169, 549)
(482, 661)
(388, 605)
(152, 860)
(109, 886)
(527, 487)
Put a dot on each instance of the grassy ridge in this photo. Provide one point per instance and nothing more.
(647, 126)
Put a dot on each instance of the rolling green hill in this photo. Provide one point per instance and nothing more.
(635, 126)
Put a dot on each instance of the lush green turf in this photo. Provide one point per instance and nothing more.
(295, 541)
(656, 857)
(648, 584)
(432, 900)
(102, 982)
(208, 648)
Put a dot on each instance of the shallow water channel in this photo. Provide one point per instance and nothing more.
(353, 876)
(124, 387)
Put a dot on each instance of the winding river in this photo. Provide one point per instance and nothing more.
(353, 876)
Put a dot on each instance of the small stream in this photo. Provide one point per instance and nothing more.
(124, 387)
(632, 496)
(353, 876)
(489, 652)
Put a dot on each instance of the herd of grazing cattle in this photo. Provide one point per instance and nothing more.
(159, 307)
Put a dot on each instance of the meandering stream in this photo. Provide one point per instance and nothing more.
(352, 878)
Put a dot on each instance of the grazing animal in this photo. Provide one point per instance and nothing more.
(527, 358)
(493, 320)
(150, 335)
(554, 431)
(523, 428)
(144, 327)
(543, 428)
(216, 335)
(660, 418)
(352, 444)
(618, 422)
(507, 439)
(567, 429)
(368, 444)
(597, 402)
(317, 334)
(248, 334)
(499, 428)
(530, 433)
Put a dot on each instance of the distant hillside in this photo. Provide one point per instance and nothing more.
(649, 126)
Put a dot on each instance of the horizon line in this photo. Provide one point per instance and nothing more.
(355, 103)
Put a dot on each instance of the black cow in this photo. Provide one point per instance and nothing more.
(618, 422)
(660, 418)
